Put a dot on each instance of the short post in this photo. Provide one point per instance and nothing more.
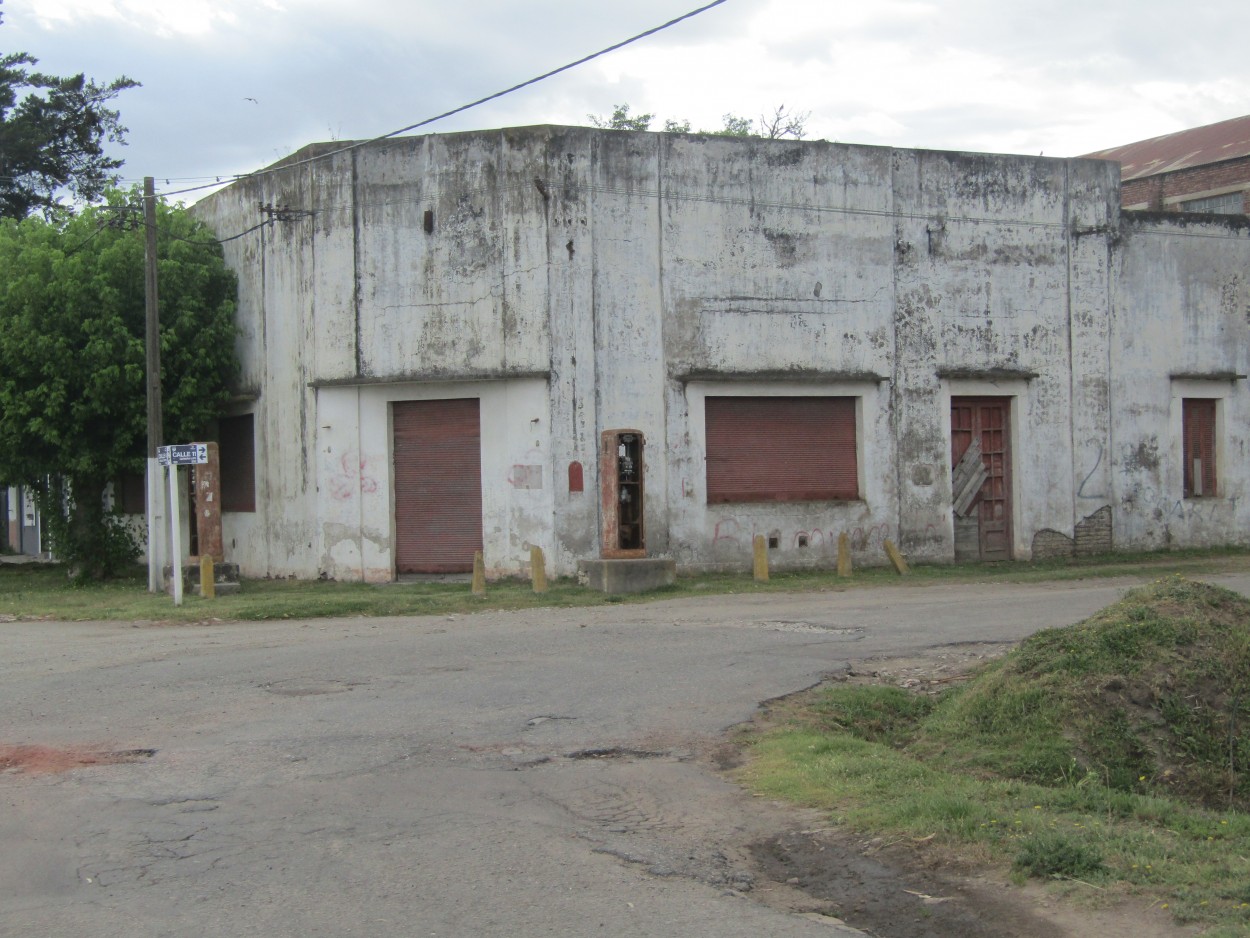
(844, 554)
(896, 558)
(479, 574)
(760, 564)
(208, 580)
(538, 570)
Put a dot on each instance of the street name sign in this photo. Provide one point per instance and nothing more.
(182, 454)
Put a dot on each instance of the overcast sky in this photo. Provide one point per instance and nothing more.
(232, 85)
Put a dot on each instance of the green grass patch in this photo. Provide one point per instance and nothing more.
(41, 591)
(1115, 752)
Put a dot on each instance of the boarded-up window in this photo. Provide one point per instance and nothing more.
(781, 449)
(237, 441)
(1198, 416)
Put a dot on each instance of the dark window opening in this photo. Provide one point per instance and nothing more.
(130, 493)
(237, 441)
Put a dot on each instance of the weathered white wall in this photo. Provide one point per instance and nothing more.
(580, 280)
(1180, 328)
(720, 536)
(355, 471)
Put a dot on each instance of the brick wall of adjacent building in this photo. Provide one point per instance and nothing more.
(1195, 182)
(1093, 534)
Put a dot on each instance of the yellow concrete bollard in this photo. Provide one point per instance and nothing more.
(538, 570)
(479, 574)
(897, 559)
(844, 554)
(208, 582)
(760, 565)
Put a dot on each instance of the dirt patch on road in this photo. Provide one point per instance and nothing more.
(912, 889)
(43, 760)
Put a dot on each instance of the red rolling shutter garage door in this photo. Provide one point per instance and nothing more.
(438, 485)
(779, 449)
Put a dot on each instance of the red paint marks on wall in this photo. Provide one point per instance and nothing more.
(577, 482)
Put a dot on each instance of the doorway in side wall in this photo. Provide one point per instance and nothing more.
(437, 449)
(981, 477)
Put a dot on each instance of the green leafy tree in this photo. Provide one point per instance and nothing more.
(621, 119)
(52, 135)
(72, 363)
(781, 123)
(735, 126)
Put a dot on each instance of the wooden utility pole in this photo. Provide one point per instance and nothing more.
(153, 344)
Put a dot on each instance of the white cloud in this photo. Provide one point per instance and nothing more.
(158, 17)
(1062, 76)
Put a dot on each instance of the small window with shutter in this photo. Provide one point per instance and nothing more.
(781, 449)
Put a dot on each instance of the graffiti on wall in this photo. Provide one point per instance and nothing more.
(355, 475)
(1080, 492)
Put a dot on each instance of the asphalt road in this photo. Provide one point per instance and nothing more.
(524, 773)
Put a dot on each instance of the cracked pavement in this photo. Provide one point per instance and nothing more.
(546, 772)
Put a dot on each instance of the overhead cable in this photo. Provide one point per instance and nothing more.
(464, 107)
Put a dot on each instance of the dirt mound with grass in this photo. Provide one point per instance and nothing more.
(1151, 695)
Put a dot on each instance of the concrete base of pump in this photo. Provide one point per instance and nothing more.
(627, 576)
(225, 577)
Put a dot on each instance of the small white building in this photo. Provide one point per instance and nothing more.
(610, 343)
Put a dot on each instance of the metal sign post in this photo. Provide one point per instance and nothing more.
(171, 457)
(175, 533)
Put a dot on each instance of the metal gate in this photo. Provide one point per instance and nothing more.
(438, 485)
(981, 477)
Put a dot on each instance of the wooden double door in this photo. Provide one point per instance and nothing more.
(981, 477)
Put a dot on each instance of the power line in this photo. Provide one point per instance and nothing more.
(464, 107)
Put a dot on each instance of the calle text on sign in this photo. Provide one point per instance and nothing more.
(182, 454)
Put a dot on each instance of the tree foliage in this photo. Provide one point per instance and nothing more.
(52, 135)
(780, 123)
(72, 360)
(622, 119)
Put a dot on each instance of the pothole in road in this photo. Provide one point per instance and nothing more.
(298, 688)
(51, 759)
(832, 631)
(614, 752)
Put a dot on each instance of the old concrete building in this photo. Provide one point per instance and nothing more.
(624, 344)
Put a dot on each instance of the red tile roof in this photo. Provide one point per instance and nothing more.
(1197, 146)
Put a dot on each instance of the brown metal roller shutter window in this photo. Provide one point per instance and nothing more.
(781, 449)
(438, 485)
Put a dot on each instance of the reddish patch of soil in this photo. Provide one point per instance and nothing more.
(41, 760)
